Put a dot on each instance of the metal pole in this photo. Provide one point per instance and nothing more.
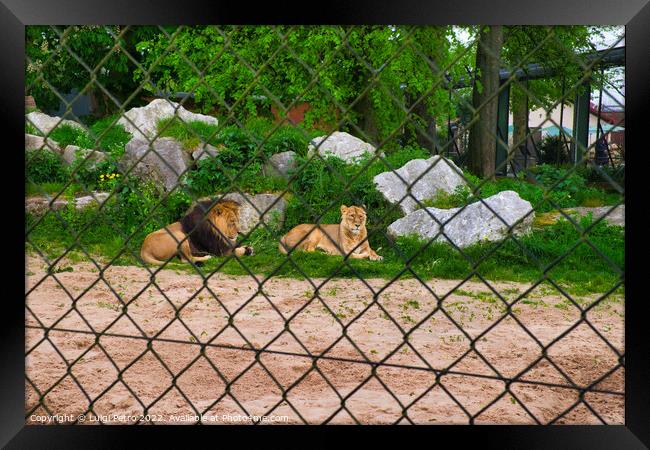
(581, 122)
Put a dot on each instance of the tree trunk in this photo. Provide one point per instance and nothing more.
(519, 114)
(482, 138)
(367, 121)
(425, 133)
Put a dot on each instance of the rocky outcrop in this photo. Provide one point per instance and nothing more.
(33, 142)
(45, 124)
(163, 164)
(473, 224)
(440, 174)
(269, 208)
(342, 145)
(142, 122)
(39, 205)
(90, 158)
(205, 151)
(280, 164)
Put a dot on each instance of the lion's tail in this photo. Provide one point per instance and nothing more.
(281, 245)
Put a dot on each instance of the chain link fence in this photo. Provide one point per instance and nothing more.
(489, 287)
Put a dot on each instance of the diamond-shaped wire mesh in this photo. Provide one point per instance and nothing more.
(290, 224)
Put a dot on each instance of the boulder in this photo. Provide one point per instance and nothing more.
(280, 164)
(39, 204)
(33, 142)
(442, 175)
(475, 223)
(71, 152)
(269, 208)
(204, 151)
(163, 164)
(342, 145)
(30, 103)
(88, 200)
(142, 122)
(44, 123)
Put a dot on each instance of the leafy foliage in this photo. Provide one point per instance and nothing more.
(253, 63)
(552, 150)
(44, 166)
(52, 65)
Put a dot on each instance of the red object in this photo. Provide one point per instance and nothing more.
(295, 115)
(614, 117)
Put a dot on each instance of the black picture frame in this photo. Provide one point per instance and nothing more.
(635, 15)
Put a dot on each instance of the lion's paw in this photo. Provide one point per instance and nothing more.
(376, 258)
(249, 250)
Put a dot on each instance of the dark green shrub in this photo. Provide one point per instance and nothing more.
(68, 135)
(140, 208)
(45, 166)
(319, 187)
(88, 175)
(213, 175)
(601, 174)
(109, 137)
(553, 151)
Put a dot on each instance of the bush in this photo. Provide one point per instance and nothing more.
(320, 188)
(553, 151)
(190, 134)
(109, 137)
(599, 175)
(66, 135)
(136, 207)
(214, 175)
(88, 175)
(45, 166)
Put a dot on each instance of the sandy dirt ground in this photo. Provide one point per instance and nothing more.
(121, 374)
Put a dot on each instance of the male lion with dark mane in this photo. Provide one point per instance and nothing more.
(348, 237)
(212, 230)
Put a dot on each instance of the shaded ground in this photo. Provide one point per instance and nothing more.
(614, 215)
(174, 373)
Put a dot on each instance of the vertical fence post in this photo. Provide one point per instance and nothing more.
(581, 122)
(502, 130)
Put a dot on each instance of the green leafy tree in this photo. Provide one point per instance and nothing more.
(245, 70)
(60, 59)
(482, 139)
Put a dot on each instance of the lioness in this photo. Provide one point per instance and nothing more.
(350, 236)
(212, 230)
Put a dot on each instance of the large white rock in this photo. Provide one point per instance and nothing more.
(33, 142)
(164, 164)
(205, 151)
(72, 152)
(280, 164)
(475, 223)
(342, 145)
(142, 122)
(268, 208)
(442, 175)
(40, 204)
(44, 123)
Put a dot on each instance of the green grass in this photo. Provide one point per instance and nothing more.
(102, 135)
(189, 134)
(543, 198)
(51, 188)
(323, 185)
(582, 271)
